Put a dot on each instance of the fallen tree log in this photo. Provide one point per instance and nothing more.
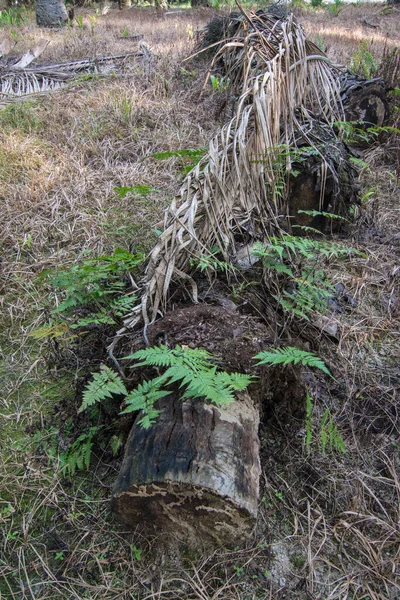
(195, 473)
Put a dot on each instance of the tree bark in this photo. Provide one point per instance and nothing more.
(195, 473)
(51, 13)
(364, 101)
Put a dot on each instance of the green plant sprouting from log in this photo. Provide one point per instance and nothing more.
(298, 259)
(291, 355)
(194, 370)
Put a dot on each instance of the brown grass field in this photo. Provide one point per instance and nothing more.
(329, 524)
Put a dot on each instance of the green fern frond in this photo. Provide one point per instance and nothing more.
(94, 319)
(209, 386)
(320, 213)
(115, 444)
(291, 355)
(145, 395)
(79, 454)
(162, 356)
(192, 369)
(104, 385)
(149, 418)
(237, 381)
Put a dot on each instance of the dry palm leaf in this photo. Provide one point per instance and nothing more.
(19, 80)
(237, 193)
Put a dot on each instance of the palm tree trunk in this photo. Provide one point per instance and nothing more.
(51, 13)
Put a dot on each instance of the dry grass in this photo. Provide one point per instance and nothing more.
(342, 35)
(328, 525)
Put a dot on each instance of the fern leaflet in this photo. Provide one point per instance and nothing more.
(291, 355)
(104, 385)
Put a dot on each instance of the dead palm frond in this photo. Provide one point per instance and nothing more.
(18, 80)
(236, 193)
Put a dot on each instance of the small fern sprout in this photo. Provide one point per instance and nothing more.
(103, 385)
(291, 355)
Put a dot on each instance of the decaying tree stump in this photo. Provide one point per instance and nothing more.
(364, 100)
(194, 473)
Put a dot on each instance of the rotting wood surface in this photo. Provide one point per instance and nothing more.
(195, 473)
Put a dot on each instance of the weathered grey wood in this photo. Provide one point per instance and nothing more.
(51, 13)
(364, 101)
(195, 473)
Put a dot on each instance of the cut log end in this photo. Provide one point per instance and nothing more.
(189, 514)
(194, 474)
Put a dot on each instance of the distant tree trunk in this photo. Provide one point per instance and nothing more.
(161, 5)
(51, 13)
(124, 4)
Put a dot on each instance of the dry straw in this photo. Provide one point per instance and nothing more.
(286, 84)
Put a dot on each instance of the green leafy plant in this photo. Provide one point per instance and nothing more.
(320, 213)
(103, 385)
(219, 83)
(59, 556)
(291, 355)
(115, 444)
(97, 285)
(193, 369)
(358, 132)
(211, 262)
(330, 436)
(309, 410)
(12, 17)
(336, 7)
(363, 62)
(369, 194)
(191, 156)
(93, 22)
(79, 21)
(136, 552)
(79, 454)
(298, 259)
